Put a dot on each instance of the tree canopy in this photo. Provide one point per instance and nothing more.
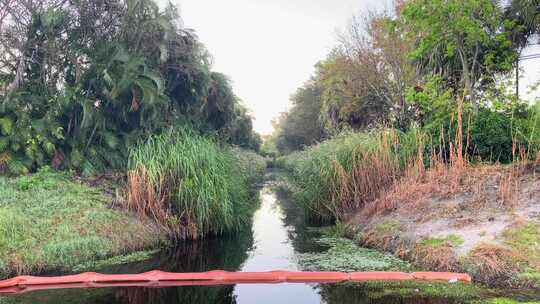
(418, 66)
(81, 81)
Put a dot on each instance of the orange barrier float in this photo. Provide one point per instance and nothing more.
(22, 284)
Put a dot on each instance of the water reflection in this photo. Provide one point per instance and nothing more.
(273, 250)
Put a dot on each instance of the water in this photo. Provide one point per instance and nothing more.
(278, 234)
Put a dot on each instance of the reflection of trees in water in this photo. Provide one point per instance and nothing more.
(203, 295)
(359, 294)
(295, 221)
(227, 253)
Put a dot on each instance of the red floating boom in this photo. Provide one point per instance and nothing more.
(156, 278)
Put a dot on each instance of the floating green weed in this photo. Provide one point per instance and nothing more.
(116, 260)
(345, 255)
(417, 289)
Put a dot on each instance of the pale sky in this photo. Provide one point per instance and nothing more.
(269, 48)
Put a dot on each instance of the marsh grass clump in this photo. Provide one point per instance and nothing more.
(492, 264)
(191, 185)
(344, 173)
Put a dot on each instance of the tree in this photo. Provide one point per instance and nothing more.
(462, 40)
(525, 17)
(81, 81)
(301, 126)
(375, 56)
(522, 22)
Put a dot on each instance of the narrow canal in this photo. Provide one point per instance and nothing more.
(278, 237)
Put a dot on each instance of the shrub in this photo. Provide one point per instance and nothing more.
(491, 134)
(191, 185)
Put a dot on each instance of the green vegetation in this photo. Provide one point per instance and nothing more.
(525, 240)
(420, 66)
(191, 185)
(87, 87)
(345, 255)
(342, 174)
(83, 81)
(339, 230)
(463, 292)
(505, 301)
(49, 222)
(133, 257)
(451, 239)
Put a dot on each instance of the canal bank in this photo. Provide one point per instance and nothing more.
(279, 239)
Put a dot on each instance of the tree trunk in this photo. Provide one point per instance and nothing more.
(467, 80)
(17, 81)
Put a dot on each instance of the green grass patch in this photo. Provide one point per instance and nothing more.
(138, 256)
(48, 221)
(388, 227)
(505, 301)
(525, 240)
(451, 239)
(339, 230)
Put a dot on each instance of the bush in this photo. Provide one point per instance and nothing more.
(491, 135)
(191, 185)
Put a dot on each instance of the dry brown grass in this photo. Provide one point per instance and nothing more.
(418, 185)
(381, 241)
(445, 177)
(493, 264)
(435, 257)
(509, 185)
(472, 187)
(371, 173)
(143, 199)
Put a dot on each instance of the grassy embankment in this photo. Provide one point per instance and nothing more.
(50, 221)
(424, 207)
(341, 175)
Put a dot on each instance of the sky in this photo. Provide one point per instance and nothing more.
(268, 48)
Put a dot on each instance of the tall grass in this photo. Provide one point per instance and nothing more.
(191, 185)
(342, 174)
